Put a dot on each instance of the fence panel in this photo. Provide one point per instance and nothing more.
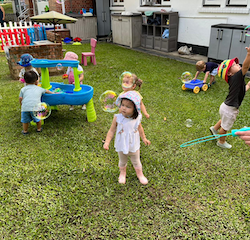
(21, 33)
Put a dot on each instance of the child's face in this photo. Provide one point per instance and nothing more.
(127, 83)
(28, 68)
(127, 108)
(233, 69)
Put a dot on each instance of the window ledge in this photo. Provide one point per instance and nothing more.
(154, 9)
(223, 10)
(117, 8)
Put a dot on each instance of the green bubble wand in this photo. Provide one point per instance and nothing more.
(213, 137)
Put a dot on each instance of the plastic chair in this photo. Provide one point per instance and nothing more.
(90, 54)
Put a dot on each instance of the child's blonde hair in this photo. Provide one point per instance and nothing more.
(200, 65)
(137, 81)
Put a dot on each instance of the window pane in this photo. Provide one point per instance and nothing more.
(211, 2)
(237, 2)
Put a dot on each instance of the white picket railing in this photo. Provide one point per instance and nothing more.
(22, 25)
(16, 25)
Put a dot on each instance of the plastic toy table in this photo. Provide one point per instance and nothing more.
(69, 94)
(196, 85)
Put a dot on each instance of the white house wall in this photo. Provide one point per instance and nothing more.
(194, 20)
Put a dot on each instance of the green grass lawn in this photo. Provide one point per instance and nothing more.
(62, 184)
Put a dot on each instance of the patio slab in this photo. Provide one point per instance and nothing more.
(192, 58)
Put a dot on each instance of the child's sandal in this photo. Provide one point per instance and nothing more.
(39, 130)
(25, 133)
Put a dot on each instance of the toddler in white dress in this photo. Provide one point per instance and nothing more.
(128, 129)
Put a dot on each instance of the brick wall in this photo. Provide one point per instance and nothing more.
(51, 36)
(71, 5)
(52, 51)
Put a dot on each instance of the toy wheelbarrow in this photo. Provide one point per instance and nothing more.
(196, 85)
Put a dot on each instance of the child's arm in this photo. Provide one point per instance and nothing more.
(196, 75)
(248, 86)
(246, 63)
(142, 135)
(81, 76)
(110, 134)
(3, 12)
(206, 76)
(48, 91)
(20, 100)
(144, 111)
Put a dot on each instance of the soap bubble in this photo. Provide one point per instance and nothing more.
(59, 66)
(189, 123)
(59, 1)
(247, 29)
(108, 101)
(186, 76)
(126, 80)
(42, 110)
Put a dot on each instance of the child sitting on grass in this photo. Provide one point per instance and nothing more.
(128, 129)
(29, 97)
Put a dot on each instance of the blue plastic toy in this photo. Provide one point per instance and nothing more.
(70, 94)
(196, 85)
(212, 137)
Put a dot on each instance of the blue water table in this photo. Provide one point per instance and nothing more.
(196, 85)
(69, 94)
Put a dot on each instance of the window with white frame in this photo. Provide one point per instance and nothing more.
(211, 2)
(155, 2)
(117, 2)
(237, 2)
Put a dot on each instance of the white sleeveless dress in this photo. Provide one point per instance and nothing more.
(127, 137)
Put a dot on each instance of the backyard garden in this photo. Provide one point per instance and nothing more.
(62, 184)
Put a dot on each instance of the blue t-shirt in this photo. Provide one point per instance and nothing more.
(31, 95)
(210, 66)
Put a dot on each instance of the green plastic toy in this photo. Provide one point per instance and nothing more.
(212, 137)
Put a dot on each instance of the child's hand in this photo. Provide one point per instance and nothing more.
(146, 142)
(248, 49)
(106, 146)
(248, 84)
(147, 115)
(245, 135)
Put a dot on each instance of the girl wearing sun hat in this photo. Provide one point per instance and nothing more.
(127, 125)
(234, 75)
(70, 73)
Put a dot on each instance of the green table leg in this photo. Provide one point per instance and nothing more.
(90, 109)
(45, 78)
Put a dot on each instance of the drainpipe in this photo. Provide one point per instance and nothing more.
(63, 7)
